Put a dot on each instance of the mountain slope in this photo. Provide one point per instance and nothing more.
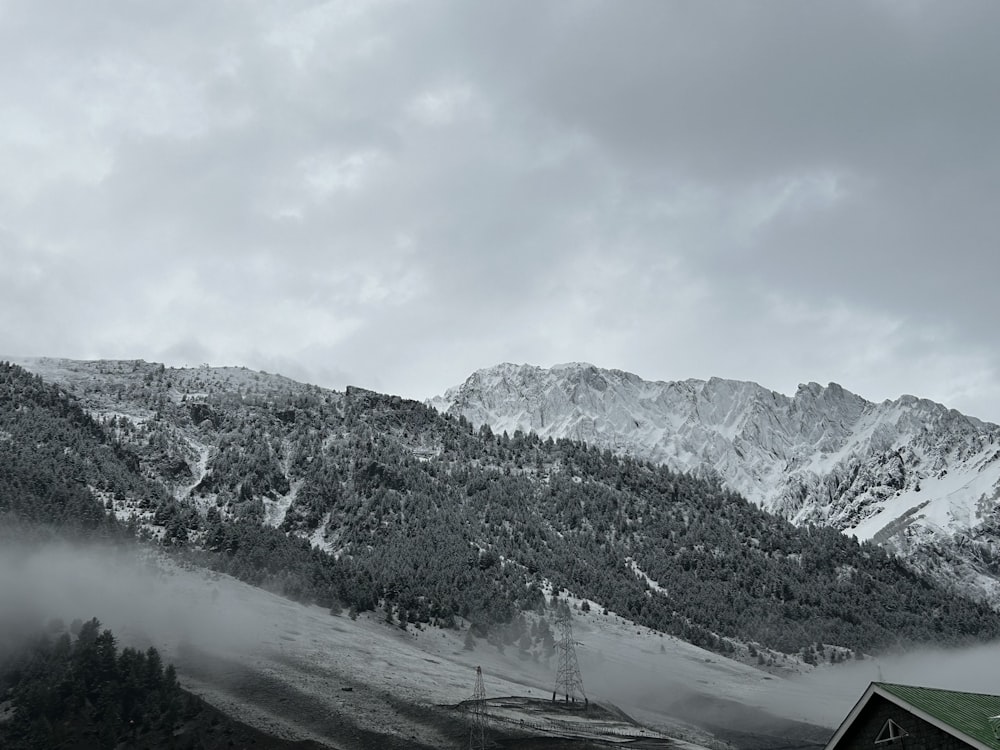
(909, 472)
(379, 502)
(58, 468)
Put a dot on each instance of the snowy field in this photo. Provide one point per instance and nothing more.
(300, 672)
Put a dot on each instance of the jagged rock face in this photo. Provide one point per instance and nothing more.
(824, 455)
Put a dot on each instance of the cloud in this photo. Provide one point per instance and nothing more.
(143, 598)
(410, 191)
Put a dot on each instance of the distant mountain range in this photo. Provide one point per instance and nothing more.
(911, 474)
(368, 501)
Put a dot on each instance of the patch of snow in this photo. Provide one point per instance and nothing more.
(200, 469)
(634, 566)
(953, 502)
(275, 510)
(318, 538)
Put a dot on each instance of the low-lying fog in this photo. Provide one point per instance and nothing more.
(148, 600)
(136, 593)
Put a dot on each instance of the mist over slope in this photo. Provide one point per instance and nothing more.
(283, 665)
(221, 633)
(910, 474)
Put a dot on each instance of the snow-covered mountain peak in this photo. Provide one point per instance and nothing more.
(570, 366)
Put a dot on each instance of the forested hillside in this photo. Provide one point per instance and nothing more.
(362, 501)
(55, 461)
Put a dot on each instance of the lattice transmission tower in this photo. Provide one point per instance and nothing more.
(477, 707)
(569, 683)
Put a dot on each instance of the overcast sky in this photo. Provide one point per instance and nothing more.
(394, 194)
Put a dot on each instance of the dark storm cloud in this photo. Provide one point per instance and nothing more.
(398, 192)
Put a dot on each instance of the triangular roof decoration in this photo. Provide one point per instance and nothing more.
(890, 731)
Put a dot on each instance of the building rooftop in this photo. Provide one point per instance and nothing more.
(969, 713)
(974, 718)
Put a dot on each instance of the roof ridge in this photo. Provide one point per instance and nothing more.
(890, 685)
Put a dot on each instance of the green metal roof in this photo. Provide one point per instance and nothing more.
(966, 712)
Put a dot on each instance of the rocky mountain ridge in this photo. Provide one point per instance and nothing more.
(909, 473)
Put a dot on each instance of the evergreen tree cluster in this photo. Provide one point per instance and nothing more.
(83, 692)
(74, 688)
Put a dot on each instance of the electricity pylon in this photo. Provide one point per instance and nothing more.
(477, 734)
(568, 680)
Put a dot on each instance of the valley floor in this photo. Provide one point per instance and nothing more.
(299, 672)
